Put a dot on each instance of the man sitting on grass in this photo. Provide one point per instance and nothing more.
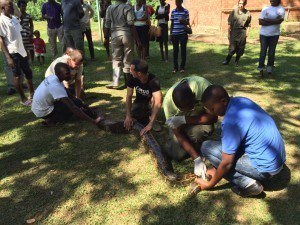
(189, 124)
(148, 99)
(52, 103)
(252, 148)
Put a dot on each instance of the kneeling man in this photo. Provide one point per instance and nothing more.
(52, 103)
(189, 124)
(252, 148)
(148, 99)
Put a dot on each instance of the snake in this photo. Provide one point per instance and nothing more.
(163, 163)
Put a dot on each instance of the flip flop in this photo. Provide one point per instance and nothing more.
(27, 102)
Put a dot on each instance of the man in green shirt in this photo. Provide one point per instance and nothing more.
(189, 123)
(239, 22)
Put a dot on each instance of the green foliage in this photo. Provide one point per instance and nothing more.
(34, 9)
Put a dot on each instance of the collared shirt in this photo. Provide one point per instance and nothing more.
(88, 14)
(54, 11)
(119, 18)
(10, 30)
(72, 12)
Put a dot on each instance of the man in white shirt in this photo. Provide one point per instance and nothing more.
(13, 49)
(74, 59)
(52, 103)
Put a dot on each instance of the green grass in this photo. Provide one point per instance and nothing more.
(77, 174)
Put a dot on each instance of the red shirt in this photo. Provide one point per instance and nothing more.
(150, 10)
(39, 45)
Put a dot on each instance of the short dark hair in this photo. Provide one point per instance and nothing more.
(140, 65)
(21, 2)
(215, 93)
(36, 32)
(182, 95)
(60, 66)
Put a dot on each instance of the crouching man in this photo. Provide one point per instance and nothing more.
(148, 99)
(52, 103)
(189, 123)
(252, 149)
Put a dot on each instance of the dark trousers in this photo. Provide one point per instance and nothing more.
(141, 112)
(61, 112)
(88, 35)
(182, 40)
(267, 43)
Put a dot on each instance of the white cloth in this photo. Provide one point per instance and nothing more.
(48, 91)
(139, 14)
(75, 73)
(161, 11)
(271, 12)
(10, 30)
(199, 168)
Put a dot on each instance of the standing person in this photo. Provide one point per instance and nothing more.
(13, 49)
(179, 21)
(52, 12)
(39, 47)
(52, 103)
(270, 19)
(141, 26)
(120, 19)
(27, 29)
(86, 26)
(251, 149)
(72, 13)
(239, 23)
(189, 124)
(162, 16)
(106, 31)
(151, 12)
(148, 99)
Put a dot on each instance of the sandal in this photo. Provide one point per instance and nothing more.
(27, 102)
(174, 71)
(181, 71)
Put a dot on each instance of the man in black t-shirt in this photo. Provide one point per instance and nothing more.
(148, 99)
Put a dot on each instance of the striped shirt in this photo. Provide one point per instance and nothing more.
(26, 31)
(176, 16)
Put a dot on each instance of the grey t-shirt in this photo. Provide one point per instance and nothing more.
(72, 13)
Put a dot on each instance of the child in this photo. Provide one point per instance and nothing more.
(27, 29)
(39, 47)
(13, 49)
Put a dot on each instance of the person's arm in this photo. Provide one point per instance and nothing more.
(185, 143)
(92, 12)
(204, 119)
(269, 22)
(80, 10)
(108, 18)
(224, 167)
(78, 86)
(78, 112)
(10, 61)
(128, 120)
(157, 102)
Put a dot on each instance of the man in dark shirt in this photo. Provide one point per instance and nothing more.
(72, 13)
(148, 99)
(51, 11)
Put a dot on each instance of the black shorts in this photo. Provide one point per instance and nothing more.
(142, 32)
(164, 33)
(21, 64)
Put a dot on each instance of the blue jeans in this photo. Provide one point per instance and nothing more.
(267, 43)
(242, 174)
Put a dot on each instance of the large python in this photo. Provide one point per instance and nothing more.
(163, 164)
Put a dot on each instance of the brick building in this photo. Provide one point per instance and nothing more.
(212, 15)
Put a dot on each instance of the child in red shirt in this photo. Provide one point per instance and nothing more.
(39, 47)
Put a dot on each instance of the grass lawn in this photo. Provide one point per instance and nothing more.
(78, 174)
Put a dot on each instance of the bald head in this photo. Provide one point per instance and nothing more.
(214, 93)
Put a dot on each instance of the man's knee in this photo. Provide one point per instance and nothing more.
(199, 133)
(211, 147)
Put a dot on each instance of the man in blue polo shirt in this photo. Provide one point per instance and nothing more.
(252, 148)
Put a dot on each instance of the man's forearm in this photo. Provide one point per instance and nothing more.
(128, 106)
(78, 85)
(205, 119)
(155, 111)
(222, 170)
(4, 48)
(185, 143)
(80, 114)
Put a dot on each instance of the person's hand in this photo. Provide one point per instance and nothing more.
(98, 120)
(176, 121)
(10, 62)
(146, 128)
(204, 185)
(128, 123)
(199, 168)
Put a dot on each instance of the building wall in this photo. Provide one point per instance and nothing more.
(213, 14)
